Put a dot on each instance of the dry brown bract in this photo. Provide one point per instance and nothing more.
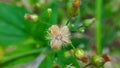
(59, 36)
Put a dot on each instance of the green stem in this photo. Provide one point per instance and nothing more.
(72, 46)
(6, 60)
(69, 20)
(98, 26)
(74, 54)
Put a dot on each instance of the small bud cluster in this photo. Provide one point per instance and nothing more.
(80, 54)
(98, 60)
(86, 23)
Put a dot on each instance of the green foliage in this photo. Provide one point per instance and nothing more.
(15, 31)
(28, 38)
(13, 28)
(24, 35)
(58, 58)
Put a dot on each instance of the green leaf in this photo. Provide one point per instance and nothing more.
(13, 28)
(22, 54)
(47, 62)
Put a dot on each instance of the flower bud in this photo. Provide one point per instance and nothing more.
(72, 26)
(56, 66)
(36, 8)
(74, 10)
(84, 59)
(71, 51)
(67, 54)
(81, 30)
(93, 20)
(106, 57)
(76, 4)
(97, 60)
(27, 17)
(49, 10)
(32, 17)
(88, 22)
(79, 53)
(38, 5)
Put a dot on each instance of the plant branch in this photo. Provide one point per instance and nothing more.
(72, 46)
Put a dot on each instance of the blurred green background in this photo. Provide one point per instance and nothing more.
(23, 43)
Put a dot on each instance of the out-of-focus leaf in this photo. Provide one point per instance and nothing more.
(108, 35)
(13, 28)
(19, 61)
(47, 62)
(26, 54)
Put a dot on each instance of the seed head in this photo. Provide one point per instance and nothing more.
(59, 36)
